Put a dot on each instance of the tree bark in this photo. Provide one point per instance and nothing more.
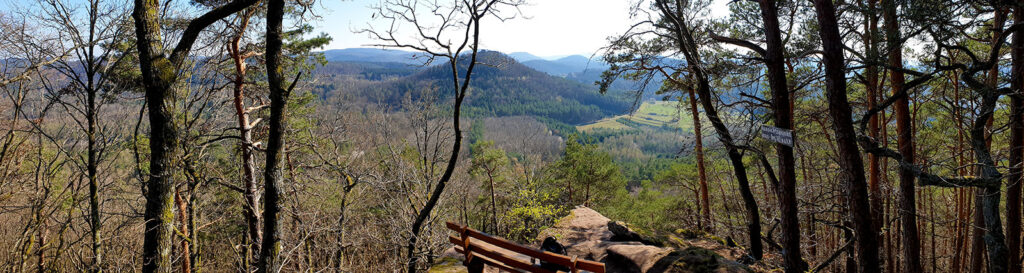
(989, 197)
(95, 219)
(250, 189)
(698, 148)
(846, 138)
(776, 67)
(272, 172)
(977, 234)
(688, 47)
(872, 86)
(186, 254)
(905, 143)
(1013, 187)
(159, 74)
(964, 198)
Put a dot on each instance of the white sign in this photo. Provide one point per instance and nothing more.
(777, 135)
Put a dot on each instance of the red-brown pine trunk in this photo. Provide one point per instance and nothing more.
(698, 148)
(905, 144)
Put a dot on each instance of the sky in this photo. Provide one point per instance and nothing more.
(549, 28)
(546, 28)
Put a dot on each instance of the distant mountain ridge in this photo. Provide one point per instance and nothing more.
(376, 63)
(524, 56)
(565, 66)
(374, 55)
(559, 66)
(500, 87)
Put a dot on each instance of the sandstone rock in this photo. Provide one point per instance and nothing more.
(582, 224)
(633, 258)
(651, 259)
(621, 232)
(586, 234)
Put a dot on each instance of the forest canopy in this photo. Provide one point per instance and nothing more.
(238, 136)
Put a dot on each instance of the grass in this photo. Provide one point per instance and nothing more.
(656, 114)
(608, 123)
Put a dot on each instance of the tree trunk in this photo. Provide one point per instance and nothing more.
(688, 47)
(186, 249)
(904, 142)
(1013, 187)
(586, 199)
(272, 173)
(159, 74)
(250, 189)
(842, 122)
(977, 234)
(194, 250)
(92, 166)
(494, 204)
(775, 62)
(698, 149)
(966, 203)
(872, 87)
(980, 141)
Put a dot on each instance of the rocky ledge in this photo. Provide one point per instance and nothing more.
(589, 235)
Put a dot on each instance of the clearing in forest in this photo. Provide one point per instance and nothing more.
(652, 114)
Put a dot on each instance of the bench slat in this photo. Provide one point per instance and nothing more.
(499, 260)
(489, 261)
(546, 256)
(505, 244)
(454, 227)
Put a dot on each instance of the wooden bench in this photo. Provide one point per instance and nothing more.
(481, 249)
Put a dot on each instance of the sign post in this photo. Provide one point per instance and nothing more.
(777, 135)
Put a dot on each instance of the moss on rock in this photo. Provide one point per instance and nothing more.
(695, 259)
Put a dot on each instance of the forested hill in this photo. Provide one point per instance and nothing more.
(501, 87)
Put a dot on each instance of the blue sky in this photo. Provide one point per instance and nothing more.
(553, 27)
(548, 28)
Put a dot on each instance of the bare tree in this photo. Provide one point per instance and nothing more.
(89, 80)
(161, 72)
(240, 53)
(23, 51)
(449, 32)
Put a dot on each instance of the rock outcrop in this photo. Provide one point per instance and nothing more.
(589, 235)
(621, 232)
(586, 234)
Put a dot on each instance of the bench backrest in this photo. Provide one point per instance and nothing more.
(480, 247)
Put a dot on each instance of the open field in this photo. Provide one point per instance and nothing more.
(654, 114)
